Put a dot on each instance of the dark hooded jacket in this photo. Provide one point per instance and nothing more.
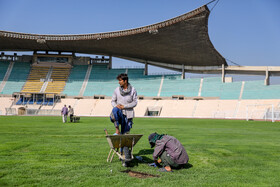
(173, 147)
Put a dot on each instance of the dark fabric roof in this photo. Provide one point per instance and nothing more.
(181, 40)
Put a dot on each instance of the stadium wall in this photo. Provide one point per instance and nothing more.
(219, 109)
(231, 109)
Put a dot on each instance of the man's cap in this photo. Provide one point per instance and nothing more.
(151, 137)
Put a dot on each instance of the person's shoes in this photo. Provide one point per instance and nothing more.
(153, 165)
(163, 170)
(115, 134)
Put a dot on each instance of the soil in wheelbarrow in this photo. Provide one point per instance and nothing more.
(139, 175)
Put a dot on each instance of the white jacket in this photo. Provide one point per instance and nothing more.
(129, 101)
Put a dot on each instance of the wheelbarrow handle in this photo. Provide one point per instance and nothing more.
(106, 132)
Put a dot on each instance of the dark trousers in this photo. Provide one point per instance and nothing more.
(118, 118)
(71, 117)
(167, 160)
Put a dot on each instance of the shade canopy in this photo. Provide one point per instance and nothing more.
(182, 40)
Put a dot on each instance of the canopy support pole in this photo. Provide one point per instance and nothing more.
(183, 71)
(267, 76)
(223, 73)
(110, 62)
(146, 68)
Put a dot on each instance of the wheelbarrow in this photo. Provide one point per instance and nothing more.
(119, 141)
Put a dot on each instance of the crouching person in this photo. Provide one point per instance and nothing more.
(168, 151)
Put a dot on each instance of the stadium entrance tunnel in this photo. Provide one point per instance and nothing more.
(153, 111)
(139, 175)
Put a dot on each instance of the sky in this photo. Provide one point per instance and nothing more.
(245, 32)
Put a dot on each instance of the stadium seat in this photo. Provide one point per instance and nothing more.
(19, 102)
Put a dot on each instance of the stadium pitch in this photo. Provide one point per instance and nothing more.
(42, 151)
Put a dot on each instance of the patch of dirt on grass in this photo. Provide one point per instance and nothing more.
(139, 175)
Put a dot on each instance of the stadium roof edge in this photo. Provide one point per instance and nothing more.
(182, 40)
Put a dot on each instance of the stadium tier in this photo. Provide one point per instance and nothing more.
(17, 78)
(213, 87)
(3, 69)
(135, 73)
(230, 90)
(148, 86)
(58, 78)
(4, 65)
(247, 99)
(75, 80)
(256, 90)
(35, 79)
(102, 81)
(174, 85)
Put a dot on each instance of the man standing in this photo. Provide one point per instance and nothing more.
(64, 113)
(71, 113)
(123, 101)
(169, 150)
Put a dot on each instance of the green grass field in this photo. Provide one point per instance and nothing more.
(42, 151)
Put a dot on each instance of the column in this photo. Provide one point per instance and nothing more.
(223, 73)
(183, 71)
(110, 62)
(146, 68)
(266, 81)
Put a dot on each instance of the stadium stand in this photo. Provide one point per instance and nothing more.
(17, 78)
(147, 86)
(58, 78)
(102, 81)
(35, 79)
(135, 73)
(75, 80)
(255, 102)
(174, 85)
(230, 90)
(213, 87)
(3, 69)
(257, 90)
